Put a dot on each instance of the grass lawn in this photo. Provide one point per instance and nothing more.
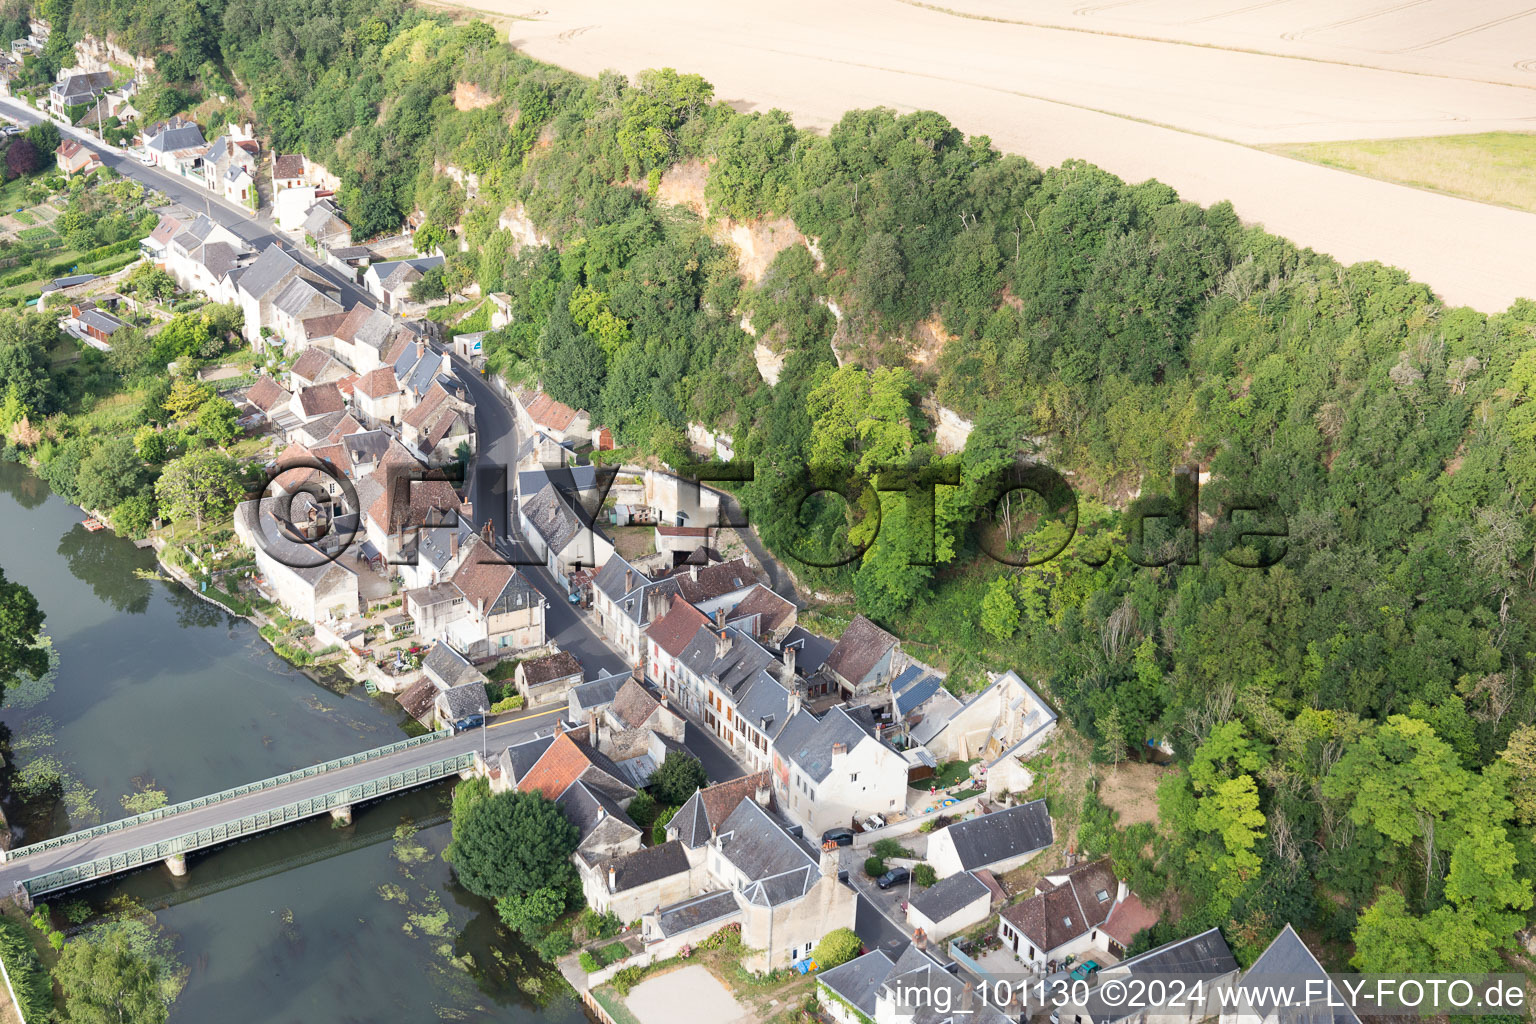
(1494, 167)
(611, 953)
(949, 773)
(609, 1000)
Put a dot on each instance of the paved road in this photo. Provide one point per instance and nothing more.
(505, 730)
(490, 490)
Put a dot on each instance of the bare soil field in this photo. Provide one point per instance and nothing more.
(1131, 790)
(1179, 90)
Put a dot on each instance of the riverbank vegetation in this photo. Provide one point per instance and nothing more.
(1371, 442)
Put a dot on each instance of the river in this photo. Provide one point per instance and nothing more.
(155, 688)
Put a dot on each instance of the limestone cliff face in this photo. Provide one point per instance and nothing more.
(93, 54)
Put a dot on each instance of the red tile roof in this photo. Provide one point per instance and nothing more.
(320, 399)
(1129, 917)
(674, 630)
(378, 383)
(561, 765)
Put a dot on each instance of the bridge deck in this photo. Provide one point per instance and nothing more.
(136, 837)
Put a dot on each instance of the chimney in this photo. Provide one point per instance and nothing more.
(720, 617)
(453, 544)
(714, 835)
(613, 879)
(1122, 892)
(920, 938)
(629, 580)
(968, 997)
(655, 604)
(722, 645)
(421, 349)
(693, 572)
(789, 666)
(764, 794)
(839, 748)
(480, 607)
(794, 699)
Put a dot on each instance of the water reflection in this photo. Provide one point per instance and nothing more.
(96, 559)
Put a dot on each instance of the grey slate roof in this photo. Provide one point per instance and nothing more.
(599, 692)
(449, 666)
(649, 864)
(185, 136)
(610, 578)
(757, 844)
(1284, 964)
(858, 980)
(1002, 834)
(1206, 954)
(695, 912)
(466, 699)
(268, 273)
(811, 650)
(551, 518)
(585, 806)
(806, 741)
(742, 660)
(916, 979)
(950, 896)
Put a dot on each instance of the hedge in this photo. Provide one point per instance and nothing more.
(34, 988)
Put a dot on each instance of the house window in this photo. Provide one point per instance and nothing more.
(1103, 895)
(853, 776)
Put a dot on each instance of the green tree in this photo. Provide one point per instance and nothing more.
(186, 397)
(836, 947)
(1112, 740)
(676, 778)
(21, 631)
(1519, 758)
(202, 486)
(110, 473)
(510, 844)
(531, 913)
(999, 610)
(216, 421)
(115, 973)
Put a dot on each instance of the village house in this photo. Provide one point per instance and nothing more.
(1073, 913)
(176, 146)
(953, 905)
(864, 658)
(399, 498)
(1286, 965)
(95, 324)
(324, 227)
(1000, 841)
(229, 159)
(300, 569)
(585, 702)
(315, 366)
(450, 693)
(1003, 725)
(76, 89)
(786, 894)
(634, 730)
(202, 255)
(485, 608)
(831, 771)
(556, 534)
(915, 989)
(74, 158)
(1205, 956)
(288, 171)
(763, 615)
(547, 678)
(536, 411)
(439, 423)
(390, 281)
(360, 338)
(277, 293)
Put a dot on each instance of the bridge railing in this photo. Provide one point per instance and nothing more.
(251, 823)
(171, 810)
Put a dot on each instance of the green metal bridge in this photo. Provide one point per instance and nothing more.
(170, 833)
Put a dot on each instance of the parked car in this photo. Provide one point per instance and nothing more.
(1081, 972)
(839, 836)
(895, 876)
(873, 822)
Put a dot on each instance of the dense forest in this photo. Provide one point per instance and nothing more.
(1354, 719)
